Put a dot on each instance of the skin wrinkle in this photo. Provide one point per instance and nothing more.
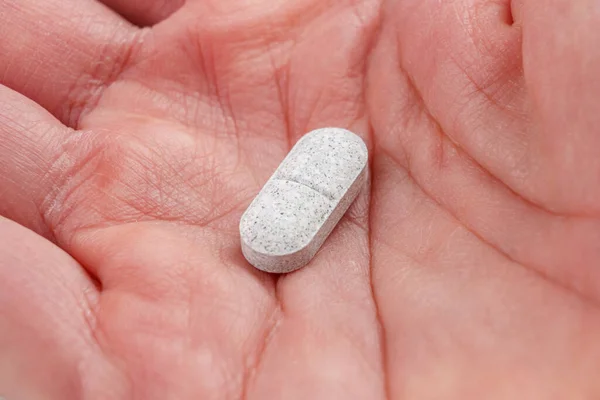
(151, 181)
(90, 311)
(227, 108)
(275, 321)
(529, 201)
(82, 172)
(161, 185)
(440, 129)
(266, 24)
(61, 175)
(150, 215)
(378, 316)
(221, 96)
(420, 107)
(87, 302)
(85, 93)
(36, 69)
(103, 342)
(503, 86)
(372, 44)
(311, 114)
(535, 270)
(202, 52)
(283, 90)
(39, 161)
(441, 133)
(205, 53)
(484, 89)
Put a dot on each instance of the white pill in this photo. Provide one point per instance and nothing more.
(288, 221)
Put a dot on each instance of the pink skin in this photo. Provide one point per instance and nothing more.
(469, 269)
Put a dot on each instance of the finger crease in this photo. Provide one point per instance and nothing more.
(85, 94)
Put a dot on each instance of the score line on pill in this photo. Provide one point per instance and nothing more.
(305, 198)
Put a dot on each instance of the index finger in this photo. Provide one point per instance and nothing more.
(63, 53)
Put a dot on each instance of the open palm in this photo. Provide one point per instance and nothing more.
(468, 269)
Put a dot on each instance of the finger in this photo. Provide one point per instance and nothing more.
(46, 319)
(62, 54)
(561, 62)
(144, 12)
(31, 159)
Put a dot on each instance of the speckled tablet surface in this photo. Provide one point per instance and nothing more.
(288, 221)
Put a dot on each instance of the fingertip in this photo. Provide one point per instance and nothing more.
(144, 13)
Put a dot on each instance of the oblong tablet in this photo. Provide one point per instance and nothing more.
(288, 221)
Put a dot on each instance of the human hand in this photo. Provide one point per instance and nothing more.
(467, 269)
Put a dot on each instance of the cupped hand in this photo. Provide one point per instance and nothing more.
(133, 134)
